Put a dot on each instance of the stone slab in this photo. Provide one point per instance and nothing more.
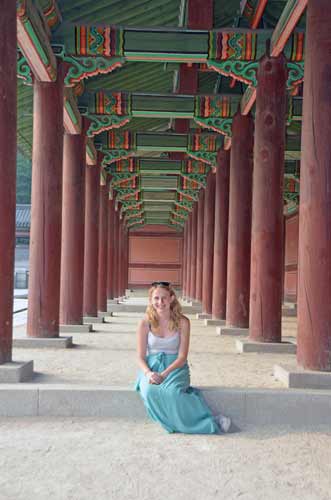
(16, 371)
(18, 400)
(141, 308)
(298, 378)
(248, 346)
(203, 316)
(214, 322)
(111, 302)
(261, 407)
(40, 343)
(230, 330)
(82, 401)
(93, 319)
(76, 328)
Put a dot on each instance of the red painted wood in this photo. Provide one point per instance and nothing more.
(110, 262)
(208, 245)
(73, 220)
(189, 255)
(116, 255)
(193, 274)
(267, 244)
(291, 258)
(7, 173)
(184, 261)
(221, 234)
(200, 224)
(103, 247)
(314, 285)
(46, 209)
(240, 210)
(92, 190)
(121, 257)
(200, 14)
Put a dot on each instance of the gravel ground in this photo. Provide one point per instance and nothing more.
(84, 459)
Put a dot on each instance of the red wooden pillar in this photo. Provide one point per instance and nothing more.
(126, 260)
(92, 190)
(193, 253)
(183, 261)
(46, 209)
(120, 257)
(73, 220)
(200, 224)
(110, 250)
(208, 245)
(221, 234)
(116, 253)
(7, 173)
(103, 247)
(240, 211)
(189, 256)
(267, 202)
(314, 285)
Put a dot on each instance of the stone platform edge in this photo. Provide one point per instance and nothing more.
(245, 406)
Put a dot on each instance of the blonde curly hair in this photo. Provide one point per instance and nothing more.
(175, 308)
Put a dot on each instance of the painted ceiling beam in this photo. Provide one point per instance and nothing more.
(33, 40)
(118, 145)
(279, 39)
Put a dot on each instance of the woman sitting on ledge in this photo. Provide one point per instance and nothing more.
(164, 378)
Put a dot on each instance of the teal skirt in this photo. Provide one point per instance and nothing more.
(174, 404)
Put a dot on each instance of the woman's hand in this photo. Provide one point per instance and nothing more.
(155, 378)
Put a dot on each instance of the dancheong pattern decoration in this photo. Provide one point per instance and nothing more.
(102, 123)
(111, 103)
(249, 10)
(203, 142)
(52, 13)
(98, 41)
(195, 171)
(291, 184)
(120, 139)
(231, 45)
(214, 112)
(195, 167)
(125, 166)
(213, 106)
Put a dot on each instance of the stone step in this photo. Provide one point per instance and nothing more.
(113, 308)
(262, 407)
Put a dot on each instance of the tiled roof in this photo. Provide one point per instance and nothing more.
(23, 216)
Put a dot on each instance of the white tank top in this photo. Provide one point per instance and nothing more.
(168, 345)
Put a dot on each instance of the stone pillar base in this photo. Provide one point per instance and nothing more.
(232, 330)
(41, 342)
(194, 303)
(297, 378)
(203, 316)
(214, 322)
(243, 346)
(112, 301)
(76, 328)
(93, 319)
(16, 371)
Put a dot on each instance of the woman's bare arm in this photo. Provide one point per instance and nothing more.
(183, 348)
(142, 332)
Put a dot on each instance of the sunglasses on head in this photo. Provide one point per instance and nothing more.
(162, 283)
